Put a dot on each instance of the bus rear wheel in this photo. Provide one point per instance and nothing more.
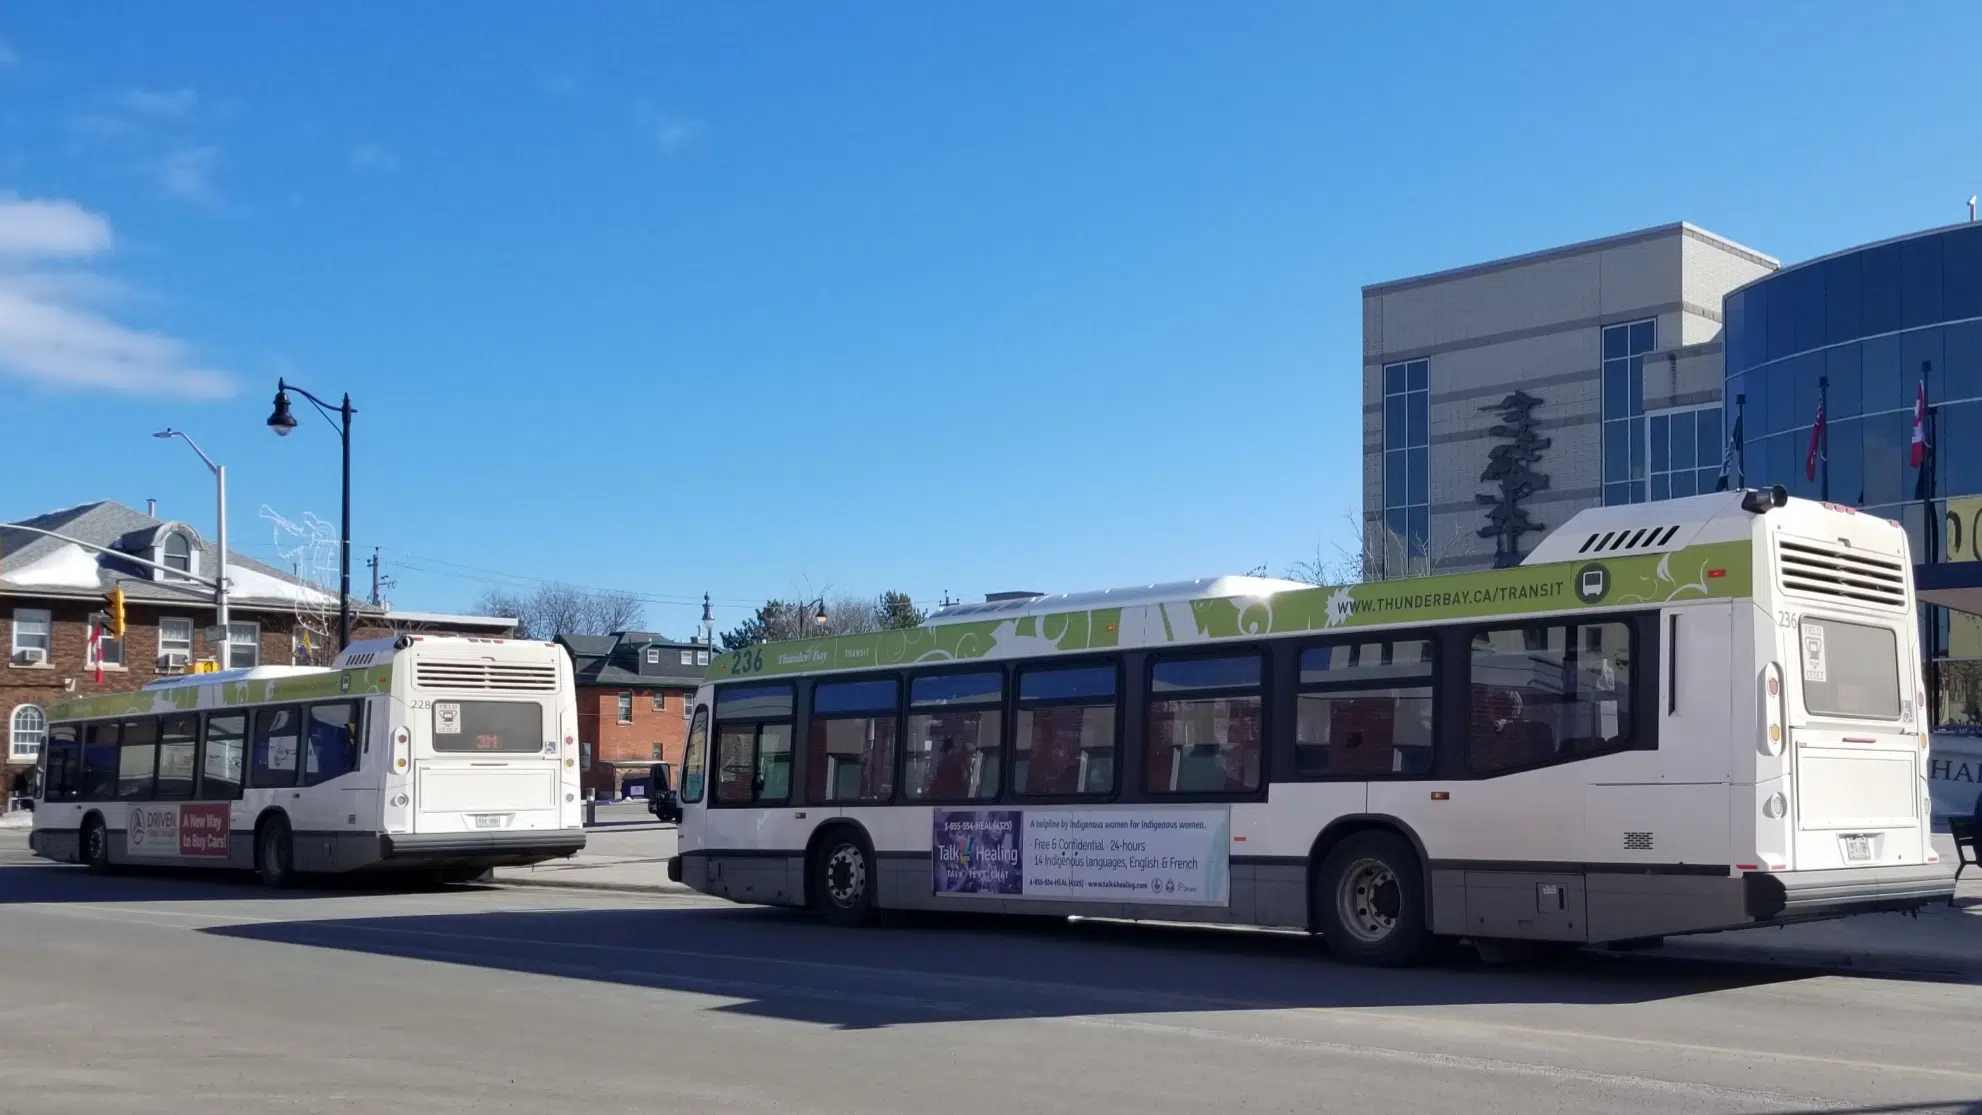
(275, 855)
(843, 880)
(96, 846)
(1370, 901)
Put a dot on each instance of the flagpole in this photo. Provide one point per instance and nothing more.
(1741, 443)
(1824, 436)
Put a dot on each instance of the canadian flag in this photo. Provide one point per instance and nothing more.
(1918, 455)
(96, 649)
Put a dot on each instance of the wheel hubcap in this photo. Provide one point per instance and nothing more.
(1369, 900)
(846, 875)
(96, 841)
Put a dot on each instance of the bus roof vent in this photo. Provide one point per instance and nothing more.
(1632, 529)
(1816, 569)
(485, 676)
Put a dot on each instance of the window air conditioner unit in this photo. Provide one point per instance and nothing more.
(174, 659)
(32, 656)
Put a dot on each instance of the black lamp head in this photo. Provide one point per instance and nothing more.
(282, 422)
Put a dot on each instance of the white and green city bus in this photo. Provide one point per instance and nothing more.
(436, 754)
(1670, 718)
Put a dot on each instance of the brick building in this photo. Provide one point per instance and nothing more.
(52, 591)
(633, 694)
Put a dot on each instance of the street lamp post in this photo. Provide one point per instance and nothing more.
(284, 423)
(221, 616)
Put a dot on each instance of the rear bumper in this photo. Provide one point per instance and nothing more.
(1795, 895)
(514, 848)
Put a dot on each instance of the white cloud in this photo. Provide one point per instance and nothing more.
(164, 104)
(370, 156)
(42, 229)
(53, 332)
(188, 173)
(668, 132)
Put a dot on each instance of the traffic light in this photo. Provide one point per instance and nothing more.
(114, 612)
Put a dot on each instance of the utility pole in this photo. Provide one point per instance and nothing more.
(374, 563)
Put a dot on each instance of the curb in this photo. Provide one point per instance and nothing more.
(577, 884)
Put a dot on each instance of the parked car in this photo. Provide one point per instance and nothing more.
(661, 800)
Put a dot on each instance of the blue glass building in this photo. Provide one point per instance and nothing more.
(1862, 330)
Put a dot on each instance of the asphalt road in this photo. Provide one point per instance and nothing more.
(176, 994)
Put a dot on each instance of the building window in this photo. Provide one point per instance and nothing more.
(1624, 438)
(178, 553)
(701, 658)
(106, 652)
(29, 727)
(660, 702)
(1684, 451)
(175, 636)
(31, 627)
(688, 658)
(653, 657)
(244, 646)
(626, 708)
(1406, 535)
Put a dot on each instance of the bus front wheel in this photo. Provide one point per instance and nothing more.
(1370, 901)
(843, 880)
(275, 856)
(96, 846)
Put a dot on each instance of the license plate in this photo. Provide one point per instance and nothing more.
(492, 820)
(1858, 849)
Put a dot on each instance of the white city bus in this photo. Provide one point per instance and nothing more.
(436, 754)
(1674, 717)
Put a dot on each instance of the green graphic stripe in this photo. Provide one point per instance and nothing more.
(222, 694)
(1719, 570)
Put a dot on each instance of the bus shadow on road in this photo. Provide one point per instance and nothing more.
(60, 883)
(781, 965)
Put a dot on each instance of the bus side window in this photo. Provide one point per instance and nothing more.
(99, 763)
(220, 756)
(276, 744)
(333, 742)
(62, 775)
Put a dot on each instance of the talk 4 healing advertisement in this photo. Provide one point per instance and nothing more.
(1178, 856)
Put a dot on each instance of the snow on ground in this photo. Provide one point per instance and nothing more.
(18, 819)
(68, 567)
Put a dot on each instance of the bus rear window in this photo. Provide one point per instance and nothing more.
(514, 726)
(1849, 669)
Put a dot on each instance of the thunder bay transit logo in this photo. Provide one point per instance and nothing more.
(1592, 583)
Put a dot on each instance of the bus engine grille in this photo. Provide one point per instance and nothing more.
(1810, 569)
(498, 677)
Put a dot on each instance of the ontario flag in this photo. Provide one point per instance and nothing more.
(1918, 454)
(1816, 443)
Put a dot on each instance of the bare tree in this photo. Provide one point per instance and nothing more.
(1369, 553)
(556, 609)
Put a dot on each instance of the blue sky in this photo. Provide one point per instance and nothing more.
(753, 298)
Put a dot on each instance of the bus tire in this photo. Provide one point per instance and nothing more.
(1369, 901)
(843, 879)
(275, 854)
(96, 846)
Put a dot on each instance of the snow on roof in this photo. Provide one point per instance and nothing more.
(70, 566)
(252, 583)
